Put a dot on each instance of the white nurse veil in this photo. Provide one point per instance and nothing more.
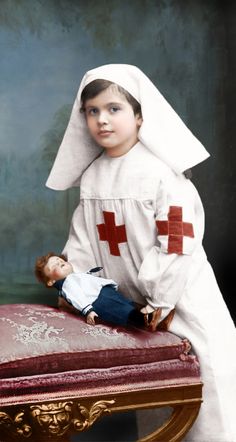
(162, 131)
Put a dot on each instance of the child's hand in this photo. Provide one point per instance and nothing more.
(90, 319)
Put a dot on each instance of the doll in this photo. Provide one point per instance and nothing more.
(94, 297)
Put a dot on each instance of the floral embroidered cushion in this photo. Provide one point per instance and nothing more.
(42, 339)
(44, 349)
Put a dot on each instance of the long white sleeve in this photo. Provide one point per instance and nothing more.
(167, 267)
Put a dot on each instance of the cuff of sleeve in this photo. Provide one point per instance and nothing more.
(86, 310)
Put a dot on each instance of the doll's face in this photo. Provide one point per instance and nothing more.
(111, 122)
(56, 268)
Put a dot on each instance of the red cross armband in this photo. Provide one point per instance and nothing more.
(173, 231)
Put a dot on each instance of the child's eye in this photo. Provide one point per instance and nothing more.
(92, 111)
(114, 109)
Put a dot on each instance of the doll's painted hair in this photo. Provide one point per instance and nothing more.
(40, 264)
(97, 86)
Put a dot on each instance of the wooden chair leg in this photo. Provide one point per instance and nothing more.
(176, 427)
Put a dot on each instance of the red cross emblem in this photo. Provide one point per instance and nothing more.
(175, 228)
(112, 233)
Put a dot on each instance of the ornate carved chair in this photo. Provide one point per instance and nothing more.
(58, 375)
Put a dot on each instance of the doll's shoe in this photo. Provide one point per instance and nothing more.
(152, 320)
(155, 317)
(147, 312)
(165, 323)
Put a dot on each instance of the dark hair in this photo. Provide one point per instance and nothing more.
(40, 264)
(188, 174)
(96, 86)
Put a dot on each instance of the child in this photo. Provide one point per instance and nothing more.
(92, 296)
(143, 220)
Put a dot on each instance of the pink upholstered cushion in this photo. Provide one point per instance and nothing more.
(40, 339)
(47, 352)
(98, 381)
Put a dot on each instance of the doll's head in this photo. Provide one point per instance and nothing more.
(51, 268)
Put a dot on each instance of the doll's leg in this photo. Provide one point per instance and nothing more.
(152, 318)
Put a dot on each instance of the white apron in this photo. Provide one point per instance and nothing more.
(144, 224)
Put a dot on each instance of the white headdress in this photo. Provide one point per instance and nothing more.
(162, 130)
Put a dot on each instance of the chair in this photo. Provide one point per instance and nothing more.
(58, 375)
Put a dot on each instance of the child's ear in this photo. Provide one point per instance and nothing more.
(139, 119)
(50, 283)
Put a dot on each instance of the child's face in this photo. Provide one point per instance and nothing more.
(56, 268)
(111, 122)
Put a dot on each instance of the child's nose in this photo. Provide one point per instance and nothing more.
(103, 118)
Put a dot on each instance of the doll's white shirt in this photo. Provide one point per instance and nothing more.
(82, 289)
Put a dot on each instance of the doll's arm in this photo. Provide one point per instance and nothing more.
(64, 305)
(90, 318)
(88, 311)
(168, 266)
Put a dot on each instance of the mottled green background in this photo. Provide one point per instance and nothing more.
(186, 47)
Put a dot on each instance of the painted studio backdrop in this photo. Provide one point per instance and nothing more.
(186, 48)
